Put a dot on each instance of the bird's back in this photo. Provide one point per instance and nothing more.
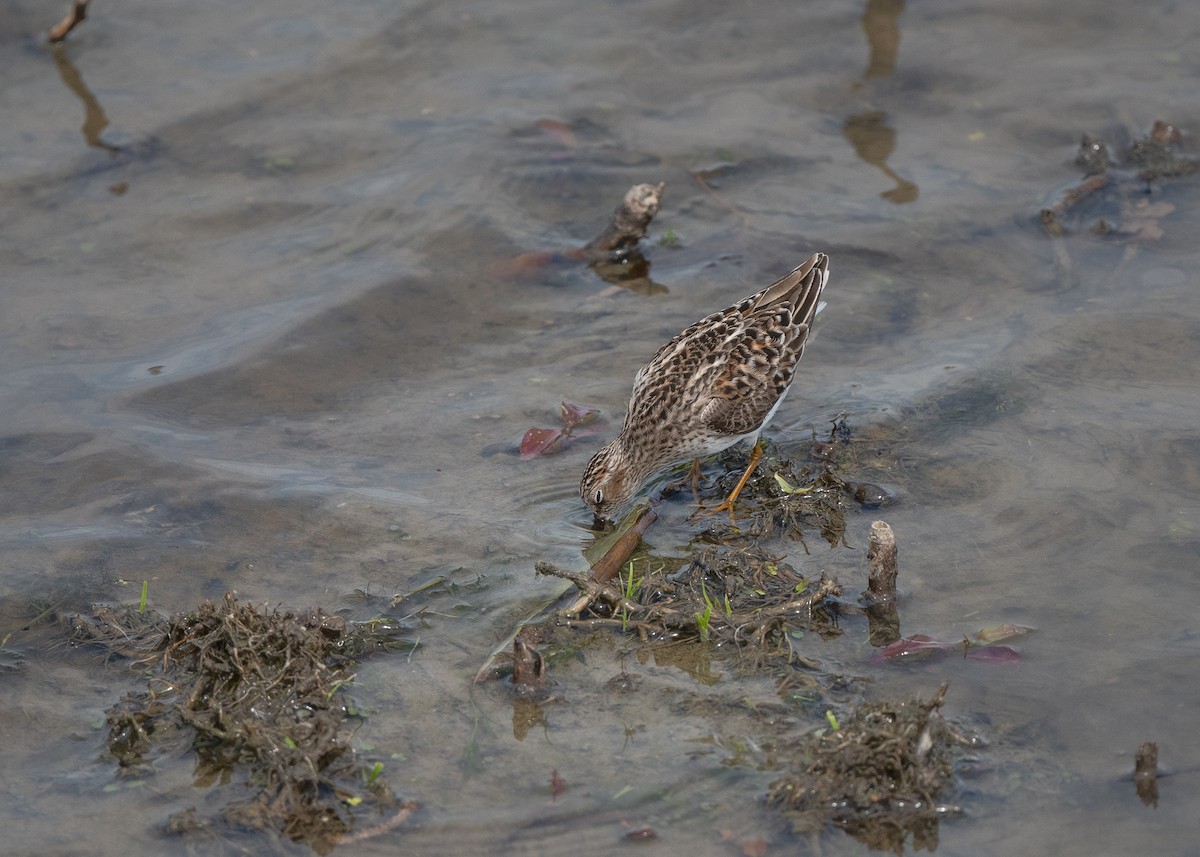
(724, 375)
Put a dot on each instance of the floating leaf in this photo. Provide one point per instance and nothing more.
(558, 131)
(924, 647)
(993, 654)
(577, 415)
(1002, 633)
(787, 488)
(542, 441)
(916, 647)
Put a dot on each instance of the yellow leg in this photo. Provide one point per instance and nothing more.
(756, 455)
(692, 478)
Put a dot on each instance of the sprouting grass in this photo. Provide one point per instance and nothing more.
(630, 587)
(703, 618)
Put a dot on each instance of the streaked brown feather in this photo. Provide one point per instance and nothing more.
(714, 384)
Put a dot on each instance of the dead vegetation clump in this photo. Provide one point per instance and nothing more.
(879, 776)
(728, 595)
(790, 498)
(259, 697)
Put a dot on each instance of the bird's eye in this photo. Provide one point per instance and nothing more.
(598, 497)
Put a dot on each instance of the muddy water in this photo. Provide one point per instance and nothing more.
(254, 338)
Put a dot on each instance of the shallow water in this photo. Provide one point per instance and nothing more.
(255, 338)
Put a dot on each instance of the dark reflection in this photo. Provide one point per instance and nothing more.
(879, 22)
(874, 141)
(94, 120)
(869, 133)
(631, 271)
(527, 714)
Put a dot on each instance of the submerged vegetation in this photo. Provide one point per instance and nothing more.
(882, 770)
(261, 698)
(880, 775)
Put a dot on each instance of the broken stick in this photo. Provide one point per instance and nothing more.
(880, 595)
(72, 20)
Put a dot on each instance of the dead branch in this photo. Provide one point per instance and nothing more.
(1145, 773)
(883, 619)
(72, 20)
(881, 559)
(1053, 214)
(402, 815)
(590, 590)
(607, 567)
(630, 220)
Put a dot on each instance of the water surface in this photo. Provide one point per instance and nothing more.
(256, 338)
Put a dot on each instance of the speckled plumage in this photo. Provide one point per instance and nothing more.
(716, 383)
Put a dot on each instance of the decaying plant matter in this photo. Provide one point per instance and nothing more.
(880, 775)
(260, 697)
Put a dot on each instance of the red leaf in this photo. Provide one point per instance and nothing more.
(921, 647)
(559, 131)
(577, 415)
(916, 647)
(993, 654)
(542, 441)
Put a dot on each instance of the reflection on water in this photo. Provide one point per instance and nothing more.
(868, 132)
(282, 364)
(94, 120)
(874, 142)
(880, 21)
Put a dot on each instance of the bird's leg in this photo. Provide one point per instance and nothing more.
(692, 478)
(756, 455)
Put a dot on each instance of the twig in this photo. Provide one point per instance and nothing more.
(590, 590)
(607, 567)
(72, 20)
(1053, 214)
(402, 815)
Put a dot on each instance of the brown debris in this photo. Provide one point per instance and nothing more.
(260, 697)
(1054, 214)
(881, 558)
(629, 222)
(880, 595)
(1145, 773)
(613, 255)
(529, 667)
(879, 775)
(1149, 158)
(72, 20)
(740, 596)
(606, 567)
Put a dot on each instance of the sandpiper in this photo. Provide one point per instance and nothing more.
(716, 383)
